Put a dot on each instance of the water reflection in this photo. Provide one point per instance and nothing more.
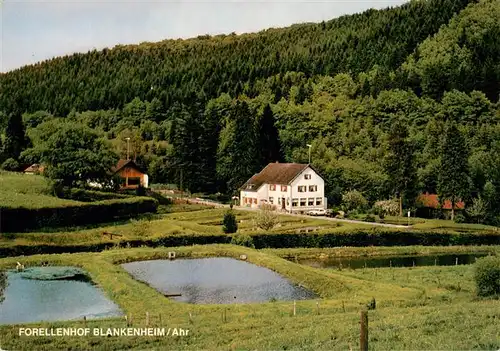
(28, 300)
(216, 280)
(392, 261)
(3, 285)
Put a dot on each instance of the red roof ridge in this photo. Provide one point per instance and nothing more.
(275, 173)
(432, 201)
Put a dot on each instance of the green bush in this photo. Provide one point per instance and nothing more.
(141, 228)
(459, 218)
(84, 195)
(267, 217)
(354, 200)
(10, 165)
(229, 224)
(243, 240)
(386, 207)
(369, 218)
(487, 276)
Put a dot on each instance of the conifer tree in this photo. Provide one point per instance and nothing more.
(270, 144)
(238, 156)
(400, 165)
(453, 180)
(15, 137)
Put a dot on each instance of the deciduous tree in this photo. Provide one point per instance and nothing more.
(75, 155)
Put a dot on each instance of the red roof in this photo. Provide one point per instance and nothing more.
(35, 167)
(432, 201)
(275, 173)
(126, 163)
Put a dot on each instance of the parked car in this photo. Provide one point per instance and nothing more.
(331, 213)
(319, 212)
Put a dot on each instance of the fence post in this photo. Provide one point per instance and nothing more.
(363, 339)
(84, 321)
(294, 307)
(317, 306)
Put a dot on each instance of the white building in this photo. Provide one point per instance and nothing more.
(291, 187)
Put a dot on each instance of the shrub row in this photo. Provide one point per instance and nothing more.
(21, 219)
(374, 237)
(87, 195)
(355, 238)
(169, 241)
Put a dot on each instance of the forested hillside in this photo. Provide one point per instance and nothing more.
(394, 103)
(172, 70)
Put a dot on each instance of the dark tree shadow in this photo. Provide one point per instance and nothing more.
(3, 285)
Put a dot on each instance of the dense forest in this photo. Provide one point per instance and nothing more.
(394, 102)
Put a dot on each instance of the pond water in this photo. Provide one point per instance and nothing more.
(216, 281)
(28, 300)
(391, 261)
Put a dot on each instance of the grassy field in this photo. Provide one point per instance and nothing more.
(29, 191)
(198, 220)
(417, 308)
(378, 251)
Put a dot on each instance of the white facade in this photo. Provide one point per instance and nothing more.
(304, 193)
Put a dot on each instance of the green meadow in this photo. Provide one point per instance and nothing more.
(28, 191)
(416, 308)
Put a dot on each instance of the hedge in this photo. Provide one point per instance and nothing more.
(88, 195)
(20, 219)
(375, 237)
(168, 241)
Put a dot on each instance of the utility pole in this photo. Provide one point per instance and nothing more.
(128, 149)
(181, 181)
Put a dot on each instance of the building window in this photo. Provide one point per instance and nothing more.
(271, 200)
(279, 200)
(307, 176)
(303, 201)
(310, 201)
(255, 201)
(272, 187)
(283, 188)
(288, 201)
(319, 201)
(302, 188)
(134, 181)
(313, 188)
(295, 202)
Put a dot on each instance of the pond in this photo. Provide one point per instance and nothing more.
(63, 298)
(391, 261)
(215, 281)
